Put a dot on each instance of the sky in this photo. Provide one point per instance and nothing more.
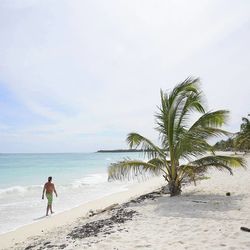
(78, 76)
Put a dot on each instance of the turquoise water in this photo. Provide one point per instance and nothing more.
(78, 178)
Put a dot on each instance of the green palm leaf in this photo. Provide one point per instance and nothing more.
(219, 162)
(128, 169)
(135, 140)
(212, 119)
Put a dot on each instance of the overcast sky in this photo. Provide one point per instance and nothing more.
(78, 76)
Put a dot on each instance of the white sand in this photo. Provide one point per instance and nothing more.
(52, 223)
(203, 217)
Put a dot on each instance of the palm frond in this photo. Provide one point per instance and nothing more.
(172, 111)
(193, 141)
(135, 140)
(212, 119)
(129, 169)
(193, 147)
(193, 102)
(219, 162)
(190, 84)
(157, 162)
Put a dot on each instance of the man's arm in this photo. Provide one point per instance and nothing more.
(44, 187)
(55, 190)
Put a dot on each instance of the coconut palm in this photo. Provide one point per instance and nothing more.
(243, 137)
(182, 153)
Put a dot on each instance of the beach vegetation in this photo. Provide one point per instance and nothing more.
(225, 145)
(239, 141)
(242, 140)
(183, 153)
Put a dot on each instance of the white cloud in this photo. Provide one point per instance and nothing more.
(92, 66)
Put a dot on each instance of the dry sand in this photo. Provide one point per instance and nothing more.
(203, 217)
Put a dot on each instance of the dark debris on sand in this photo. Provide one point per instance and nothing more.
(149, 196)
(119, 214)
(105, 225)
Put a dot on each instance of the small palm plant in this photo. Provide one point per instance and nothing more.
(182, 153)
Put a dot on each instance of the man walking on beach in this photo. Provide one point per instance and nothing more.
(49, 187)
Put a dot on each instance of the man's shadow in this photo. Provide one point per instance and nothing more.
(40, 218)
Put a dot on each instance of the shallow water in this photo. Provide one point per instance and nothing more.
(78, 178)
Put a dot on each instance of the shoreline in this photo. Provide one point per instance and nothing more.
(203, 216)
(36, 220)
(63, 218)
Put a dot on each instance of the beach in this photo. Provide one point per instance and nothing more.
(79, 178)
(207, 216)
(119, 133)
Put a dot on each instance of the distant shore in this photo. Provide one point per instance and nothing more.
(121, 150)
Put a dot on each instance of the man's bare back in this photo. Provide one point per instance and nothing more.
(49, 187)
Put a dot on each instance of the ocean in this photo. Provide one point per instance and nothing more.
(78, 178)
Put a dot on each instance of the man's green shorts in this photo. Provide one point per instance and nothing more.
(50, 198)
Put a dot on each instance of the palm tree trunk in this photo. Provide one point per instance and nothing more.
(174, 188)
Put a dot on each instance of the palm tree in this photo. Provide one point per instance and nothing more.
(182, 153)
(243, 137)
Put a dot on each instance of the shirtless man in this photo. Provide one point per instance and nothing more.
(49, 187)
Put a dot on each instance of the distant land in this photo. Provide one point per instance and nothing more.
(121, 150)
